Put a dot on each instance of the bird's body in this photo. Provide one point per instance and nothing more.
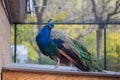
(60, 50)
(44, 42)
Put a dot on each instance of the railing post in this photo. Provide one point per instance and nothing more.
(15, 42)
(105, 54)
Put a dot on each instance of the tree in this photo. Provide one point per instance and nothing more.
(39, 12)
(100, 11)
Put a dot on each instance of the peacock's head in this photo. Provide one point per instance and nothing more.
(51, 24)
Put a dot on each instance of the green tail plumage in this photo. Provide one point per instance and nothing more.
(86, 56)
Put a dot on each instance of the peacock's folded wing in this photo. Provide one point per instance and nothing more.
(80, 50)
(70, 53)
(76, 47)
(55, 34)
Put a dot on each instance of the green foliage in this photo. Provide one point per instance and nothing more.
(72, 30)
(61, 16)
(26, 36)
(113, 48)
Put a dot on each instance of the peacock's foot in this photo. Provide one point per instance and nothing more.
(57, 68)
(57, 65)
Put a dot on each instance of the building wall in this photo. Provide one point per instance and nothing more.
(5, 41)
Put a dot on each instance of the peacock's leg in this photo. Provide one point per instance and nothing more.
(57, 60)
(58, 63)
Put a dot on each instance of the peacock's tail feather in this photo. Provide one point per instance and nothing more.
(83, 51)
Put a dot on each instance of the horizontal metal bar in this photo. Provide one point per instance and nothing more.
(68, 23)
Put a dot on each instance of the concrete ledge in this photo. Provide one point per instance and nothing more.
(41, 72)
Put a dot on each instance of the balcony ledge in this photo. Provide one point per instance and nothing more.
(50, 70)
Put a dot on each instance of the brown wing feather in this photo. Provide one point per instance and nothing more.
(67, 56)
(72, 55)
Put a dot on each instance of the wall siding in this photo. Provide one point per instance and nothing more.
(5, 41)
(21, 75)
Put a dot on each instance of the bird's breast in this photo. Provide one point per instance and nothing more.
(42, 41)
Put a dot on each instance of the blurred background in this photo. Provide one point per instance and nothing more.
(71, 11)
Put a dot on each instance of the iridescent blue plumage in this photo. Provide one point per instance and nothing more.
(58, 41)
(46, 45)
(43, 37)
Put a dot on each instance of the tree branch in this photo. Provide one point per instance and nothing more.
(38, 13)
(104, 6)
(94, 8)
(115, 10)
(87, 31)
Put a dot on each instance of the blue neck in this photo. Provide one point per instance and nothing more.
(43, 37)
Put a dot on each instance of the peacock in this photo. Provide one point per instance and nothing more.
(63, 50)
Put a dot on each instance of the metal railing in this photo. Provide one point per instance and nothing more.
(66, 23)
